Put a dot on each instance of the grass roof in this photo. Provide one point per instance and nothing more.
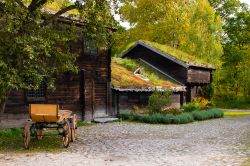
(123, 75)
(177, 54)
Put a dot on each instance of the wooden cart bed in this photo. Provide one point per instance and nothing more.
(47, 113)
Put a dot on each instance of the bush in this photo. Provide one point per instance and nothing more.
(183, 118)
(189, 107)
(174, 111)
(158, 100)
(201, 102)
(204, 115)
(124, 116)
(159, 118)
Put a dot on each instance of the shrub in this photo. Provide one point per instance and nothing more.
(189, 107)
(159, 118)
(158, 100)
(124, 116)
(135, 116)
(204, 115)
(183, 118)
(174, 111)
(201, 102)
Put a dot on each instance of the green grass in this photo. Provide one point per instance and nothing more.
(230, 104)
(11, 140)
(83, 123)
(178, 54)
(182, 118)
(236, 113)
(155, 78)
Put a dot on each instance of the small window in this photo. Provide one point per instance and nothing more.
(90, 48)
(36, 94)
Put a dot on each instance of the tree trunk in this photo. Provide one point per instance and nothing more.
(3, 103)
(2, 107)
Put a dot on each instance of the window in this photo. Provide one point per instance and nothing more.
(90, 48)
(36, 94)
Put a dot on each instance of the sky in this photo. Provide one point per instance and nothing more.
(246, 1)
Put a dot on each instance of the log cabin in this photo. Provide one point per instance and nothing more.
(87, 93)
(180, 67)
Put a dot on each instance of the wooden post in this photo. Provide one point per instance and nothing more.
(82, 93)
(93, 98)
(117, 103)
(181, 98)
(188, 94)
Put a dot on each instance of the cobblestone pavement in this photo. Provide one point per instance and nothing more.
(219, 142)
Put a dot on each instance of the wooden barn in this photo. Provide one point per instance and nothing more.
(86, 93)
(179, 67)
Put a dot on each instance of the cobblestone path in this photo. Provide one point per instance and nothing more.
(220, 142)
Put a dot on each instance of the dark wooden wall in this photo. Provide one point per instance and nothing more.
(129, 99)
(198, 75)
(85, 93)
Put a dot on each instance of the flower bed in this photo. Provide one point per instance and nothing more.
(183, 118)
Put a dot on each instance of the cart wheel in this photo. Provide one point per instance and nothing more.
(39, 134)
(74, 128)
(26, 135)
(66, 134)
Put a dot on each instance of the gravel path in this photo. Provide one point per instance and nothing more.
(215, 142)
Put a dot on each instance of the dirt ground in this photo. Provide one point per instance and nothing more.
(221, 142)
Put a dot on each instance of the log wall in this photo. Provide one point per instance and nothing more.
(198, 76)
(85, 93)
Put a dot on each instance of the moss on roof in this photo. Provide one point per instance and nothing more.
(177, 54)
(123, 75)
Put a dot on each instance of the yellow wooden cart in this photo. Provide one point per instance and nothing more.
(50, 116)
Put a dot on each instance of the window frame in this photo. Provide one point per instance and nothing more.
(92, 45)
(40, 94)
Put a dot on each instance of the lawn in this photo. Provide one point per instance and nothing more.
(236, 113)
(11, 140)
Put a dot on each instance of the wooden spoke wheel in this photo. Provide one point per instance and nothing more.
(26, 136)
(39, 134)
(66, 134)
(74, 128)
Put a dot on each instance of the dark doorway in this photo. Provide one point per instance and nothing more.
(82, 92)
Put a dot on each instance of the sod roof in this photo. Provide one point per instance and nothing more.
(170, 53)
(123, 77)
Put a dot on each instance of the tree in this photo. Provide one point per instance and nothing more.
(190, 26)
(233, 81)
(34, 44)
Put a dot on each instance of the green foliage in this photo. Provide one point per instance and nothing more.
(237, 103)
(33, 44)
(157, 118)
(129, 64)
(190, 26)
(189, 107)
(232, 81)
(183, 118)
(210, 114)
(158, 100)
(201, 102)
